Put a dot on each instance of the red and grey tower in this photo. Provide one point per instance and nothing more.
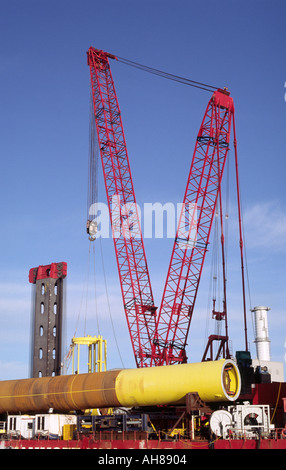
(47, 321)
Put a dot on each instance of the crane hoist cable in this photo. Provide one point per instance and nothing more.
(160, 337)
(195, 84)
(136, 289)
(92, 192)
(169, 76)
(91, 224)
(84, 296)
(108, 305)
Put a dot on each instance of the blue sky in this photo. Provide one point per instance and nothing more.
(44, 122)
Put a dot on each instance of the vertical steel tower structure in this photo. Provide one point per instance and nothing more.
(46, 351)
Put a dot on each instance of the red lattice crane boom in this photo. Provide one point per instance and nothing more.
(159, 339)
(128, 242)
(194, 228)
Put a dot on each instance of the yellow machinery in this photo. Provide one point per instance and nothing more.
(214, 381)
(68, 431)
(96, 353)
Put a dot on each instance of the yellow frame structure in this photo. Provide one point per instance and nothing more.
(96, 353)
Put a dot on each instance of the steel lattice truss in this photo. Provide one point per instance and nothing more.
(194, 228)
(130, 254)
(159, 339)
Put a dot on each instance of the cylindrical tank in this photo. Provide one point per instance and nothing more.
(261, 333)
(214, 381)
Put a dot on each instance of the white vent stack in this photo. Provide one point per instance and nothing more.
(261, 333)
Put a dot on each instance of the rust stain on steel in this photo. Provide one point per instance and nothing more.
(62, 393)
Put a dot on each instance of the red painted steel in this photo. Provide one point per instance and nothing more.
(53, 270)
(128, 242)
(187, 259)
(164, 444)
(159, 339)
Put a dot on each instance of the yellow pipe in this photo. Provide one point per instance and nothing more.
(214, 381)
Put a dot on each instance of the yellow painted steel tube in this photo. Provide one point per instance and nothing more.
(214, 381)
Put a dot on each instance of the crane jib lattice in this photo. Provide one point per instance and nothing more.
(130, 254)
(159, 337)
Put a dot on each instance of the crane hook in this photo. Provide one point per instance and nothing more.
(91, 229)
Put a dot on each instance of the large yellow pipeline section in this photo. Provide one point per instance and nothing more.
(214, 381)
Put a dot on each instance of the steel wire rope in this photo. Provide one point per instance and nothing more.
(108, 304)
(176, 78)
(93, 157)
(220, 280)
(92, 208)
(173, 77)
(92, 193)
(84, 295)
(68, 355)
(213, 279)
(107, 296)
(95, 290)
(246, 260)
(227, 214)
(226, 242)
(208, 308)
(215, 254)
(217, 279)
(169, 76)
(247, 275)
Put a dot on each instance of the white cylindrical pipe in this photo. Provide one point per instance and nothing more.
(261, 333)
